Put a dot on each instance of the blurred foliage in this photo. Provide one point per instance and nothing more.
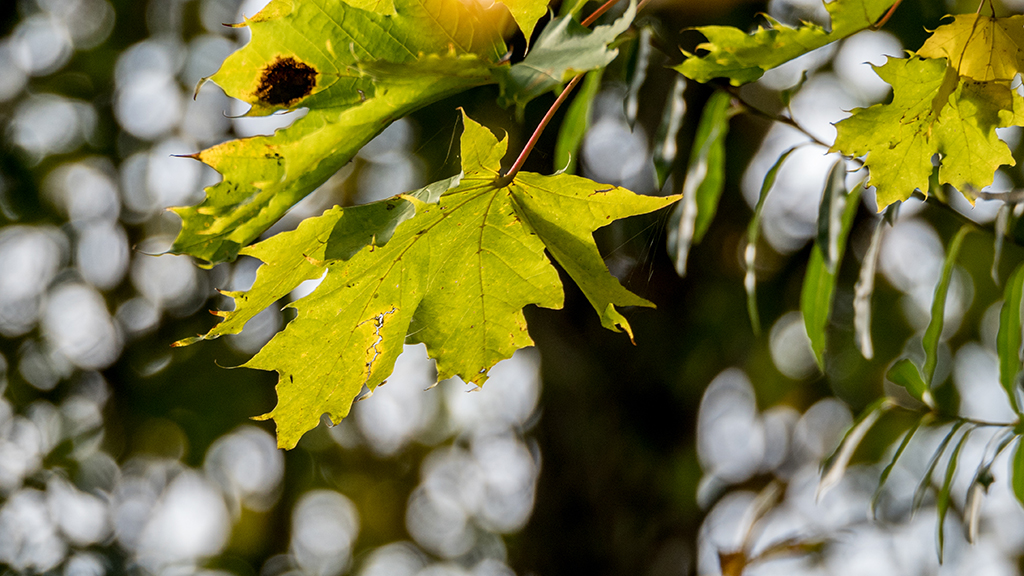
(639, 454)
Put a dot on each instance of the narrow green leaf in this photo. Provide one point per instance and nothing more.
(665, 147)
(753, 231)
(636, 81)
(563, 50)
(820, 284)
(980, 483)
(1008, 341)
(895, 458)
(933, 333)
(705, 178)
(1002, 222)
(576, 123)
(830, 213)
(1018, 474)
(942, 503)
(904, 373)
(742, 57)
(926, 481)
(835, 465)
(865, 288)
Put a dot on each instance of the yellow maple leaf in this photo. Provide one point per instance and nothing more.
(979, 47)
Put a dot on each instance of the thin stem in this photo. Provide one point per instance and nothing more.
(774, 117)
(597, 13)
(888, 15)
(507, 178)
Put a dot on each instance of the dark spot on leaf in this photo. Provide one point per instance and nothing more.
(390, 206)
(286, 80)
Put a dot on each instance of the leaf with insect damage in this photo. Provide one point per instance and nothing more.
(354, 70)
(455, 277)
(741, 57)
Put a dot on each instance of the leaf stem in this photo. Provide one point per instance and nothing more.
(888, 15)
(506, 179)
(773, 117)
(597, 13)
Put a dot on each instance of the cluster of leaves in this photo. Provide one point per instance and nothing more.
(948, 100)
(452, 265)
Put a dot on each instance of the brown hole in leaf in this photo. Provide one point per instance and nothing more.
(286, 80)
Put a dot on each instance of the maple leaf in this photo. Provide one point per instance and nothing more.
(933, 111)
(455, 276)
(979, 47)
(563, 50)
(355, 70)
(743, 58)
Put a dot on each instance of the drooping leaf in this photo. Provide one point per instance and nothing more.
(820, 284)
(942, 502)
(895, 458)
(904, 373)
(926, 480)
(933, 333)
(563, 50)
(835, 466)
(999, 234)
(980, 483)
(576, 123)
(830, 213)
(932, 112)
(355, 71)
(455, 277)
(979, 47)
(741, 57)
(753, 232)
(865, 287)
(705, 179)
(1009, 337)
(665, 146)
(1018, 473)
(639, 74)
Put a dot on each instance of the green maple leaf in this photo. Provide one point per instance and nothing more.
(455, 276)
(563, 50)
(355, 70)
(933, 111)
(979, 47)
(743, 58)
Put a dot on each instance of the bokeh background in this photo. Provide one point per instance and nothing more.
(585, 455)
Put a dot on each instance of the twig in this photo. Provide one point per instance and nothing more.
(773, 117)
(506, 179)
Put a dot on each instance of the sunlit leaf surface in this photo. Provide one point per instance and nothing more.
(455, 277)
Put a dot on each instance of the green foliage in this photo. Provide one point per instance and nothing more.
(563, 50)
(454, 264)
(705, 180)
(355, 71)
(743, 58)
(819, 280)
(454, 276)
(933, 111)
